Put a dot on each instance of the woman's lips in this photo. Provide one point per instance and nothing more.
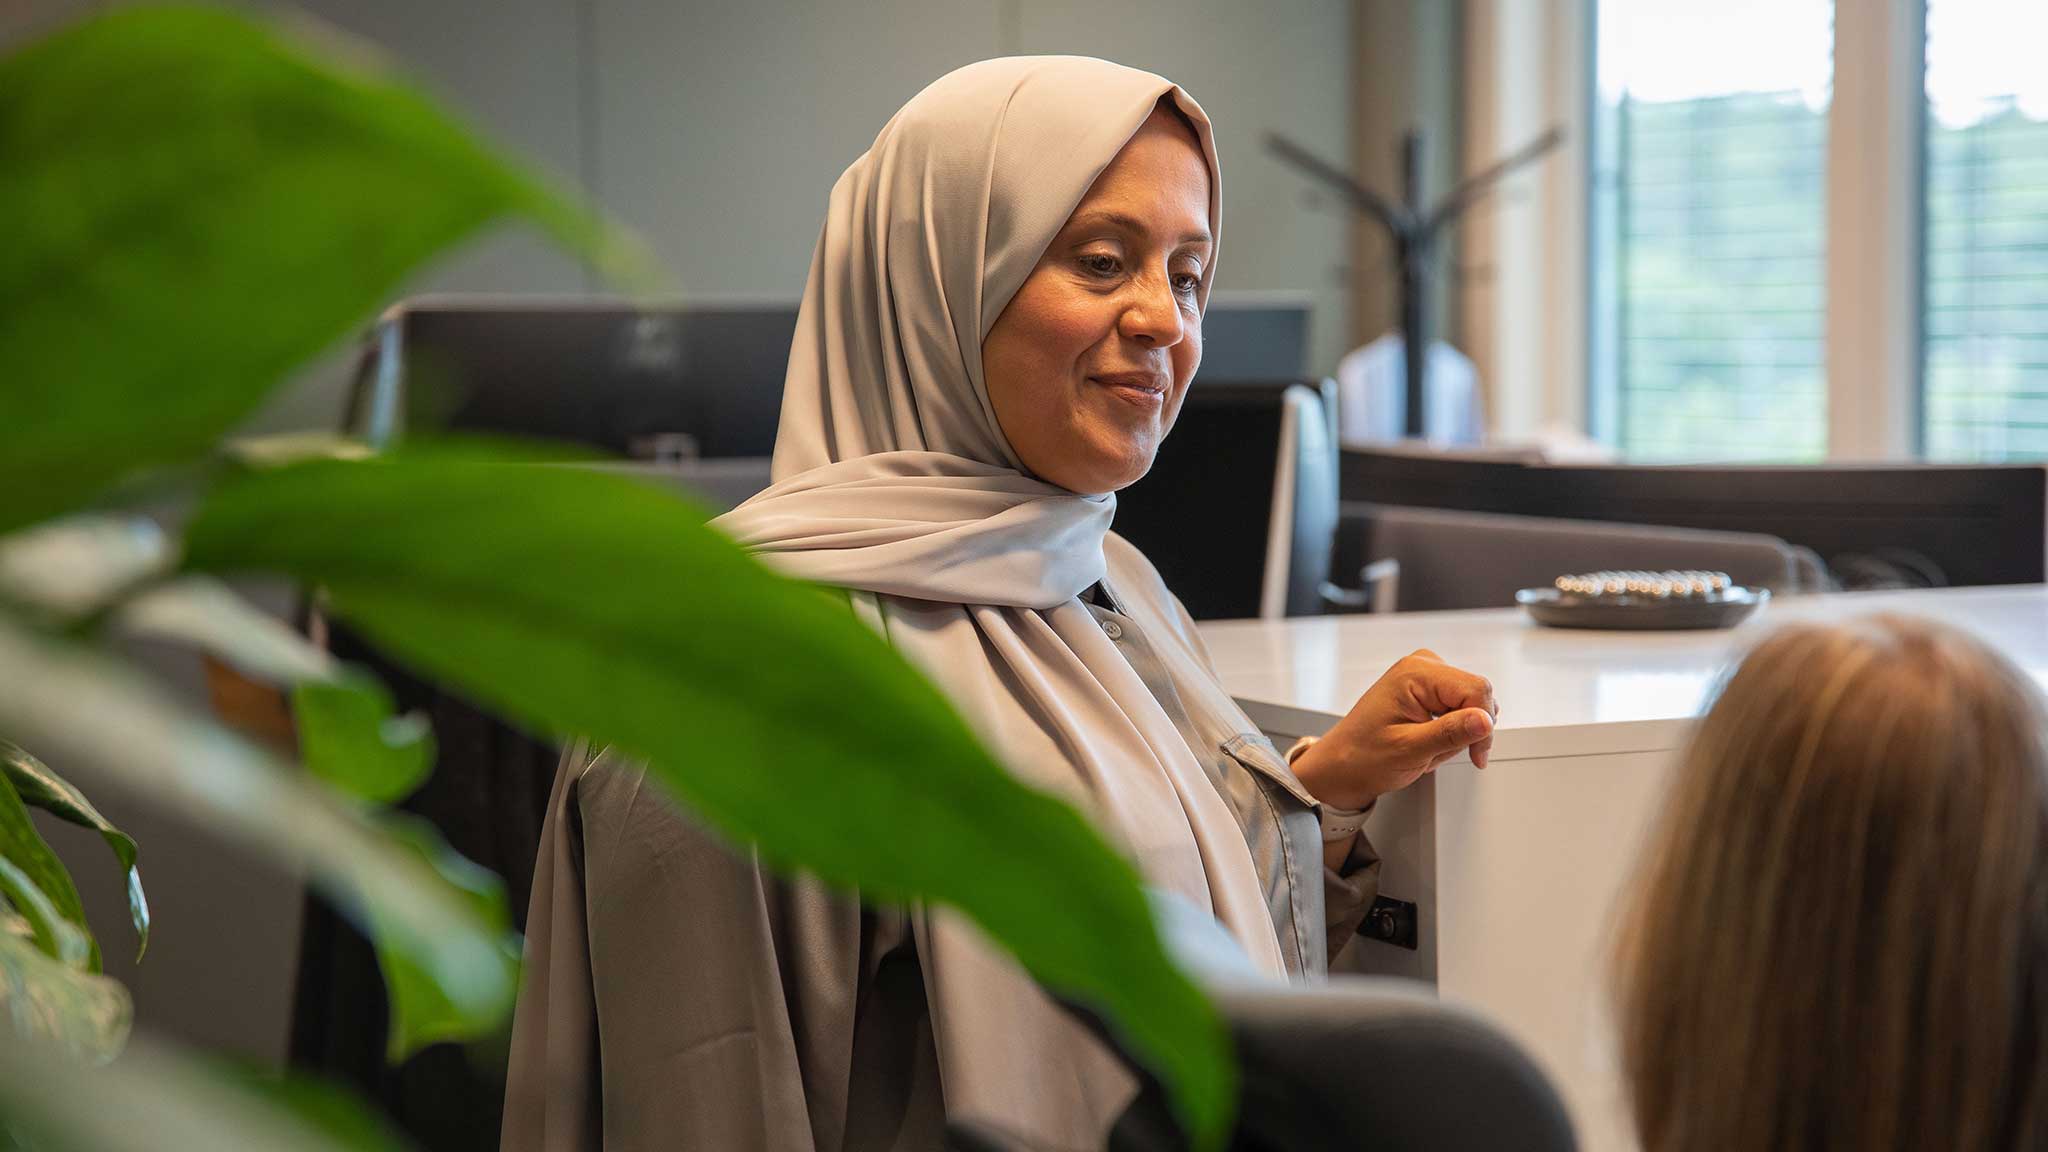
(1145, 391)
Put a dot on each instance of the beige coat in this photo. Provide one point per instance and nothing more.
(678, 996)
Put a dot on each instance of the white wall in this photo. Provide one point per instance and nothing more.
(515, 70)
(1282, 65)
(718, 129)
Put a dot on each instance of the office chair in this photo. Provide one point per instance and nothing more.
(1351, 1063)
(1380, 1063)
(1355, 1063)
(1443, 559)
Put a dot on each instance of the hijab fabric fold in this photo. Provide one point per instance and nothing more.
(894, 480)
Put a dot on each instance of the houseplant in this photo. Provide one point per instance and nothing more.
(201, 202)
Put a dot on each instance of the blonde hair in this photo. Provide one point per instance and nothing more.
(1840, 938)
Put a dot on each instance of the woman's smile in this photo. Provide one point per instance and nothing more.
(1145, 390)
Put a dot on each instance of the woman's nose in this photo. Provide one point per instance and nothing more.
(1153, 315)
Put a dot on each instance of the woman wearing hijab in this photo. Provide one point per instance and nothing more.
(1002, 317)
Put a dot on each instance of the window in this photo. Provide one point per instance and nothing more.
(1709, 227)
(1709, 237)
(1985, 311)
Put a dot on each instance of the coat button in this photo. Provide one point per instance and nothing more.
(1112, 629)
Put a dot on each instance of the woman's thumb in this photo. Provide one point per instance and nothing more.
(1456, 731)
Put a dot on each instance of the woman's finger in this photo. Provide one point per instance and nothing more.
(1443, 688)
(1452, 733)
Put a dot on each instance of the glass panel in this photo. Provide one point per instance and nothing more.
(1714, 221)
(1986, 302)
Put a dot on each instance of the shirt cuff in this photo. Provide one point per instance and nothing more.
(1338, 823)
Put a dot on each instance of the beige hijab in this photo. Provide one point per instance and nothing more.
(894, 480)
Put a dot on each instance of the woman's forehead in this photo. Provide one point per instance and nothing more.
(1158, 183)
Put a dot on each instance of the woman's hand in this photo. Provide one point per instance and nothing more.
(1418, 715)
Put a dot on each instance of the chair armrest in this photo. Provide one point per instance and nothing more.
(1377, 588)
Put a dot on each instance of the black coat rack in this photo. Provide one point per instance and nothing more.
(1414, 230)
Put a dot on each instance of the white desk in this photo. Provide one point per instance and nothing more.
(1516, 869)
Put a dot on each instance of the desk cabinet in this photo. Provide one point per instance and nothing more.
(1517, 871)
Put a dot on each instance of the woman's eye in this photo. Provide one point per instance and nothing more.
(1100, 264)
(1186, 283)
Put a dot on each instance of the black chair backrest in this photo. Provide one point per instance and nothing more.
(1240, 508)
(1379, 1063)
(1450, 559)
(1362, 1063)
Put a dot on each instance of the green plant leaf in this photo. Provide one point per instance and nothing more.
(156, 1098)
(196, 203)
(65, 569)
(57, 936)
(324, 1107)
(39, 787)
(203, 614)
(422, 1013)
(347, 733)
(24, 847)
(587, 604)
(85, 1016)
(82, 565)
(349, 738)
(292, 447)
(78, 705)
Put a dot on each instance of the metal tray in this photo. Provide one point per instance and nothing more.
(1726, 609)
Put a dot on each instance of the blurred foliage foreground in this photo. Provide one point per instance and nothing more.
(197, 203)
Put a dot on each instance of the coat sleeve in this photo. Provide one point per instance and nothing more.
(1348, 892)
(677, 995)
(551, 1094)
(1349, 889)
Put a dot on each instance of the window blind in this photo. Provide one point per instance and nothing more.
(1985, 301)
(1719, 178)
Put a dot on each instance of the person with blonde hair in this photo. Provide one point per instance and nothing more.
(1841, 936)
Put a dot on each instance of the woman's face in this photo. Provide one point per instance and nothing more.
(1088, 364)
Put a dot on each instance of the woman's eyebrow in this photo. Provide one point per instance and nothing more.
(1125, 222)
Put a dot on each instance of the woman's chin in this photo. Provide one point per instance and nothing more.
(1102, 470)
